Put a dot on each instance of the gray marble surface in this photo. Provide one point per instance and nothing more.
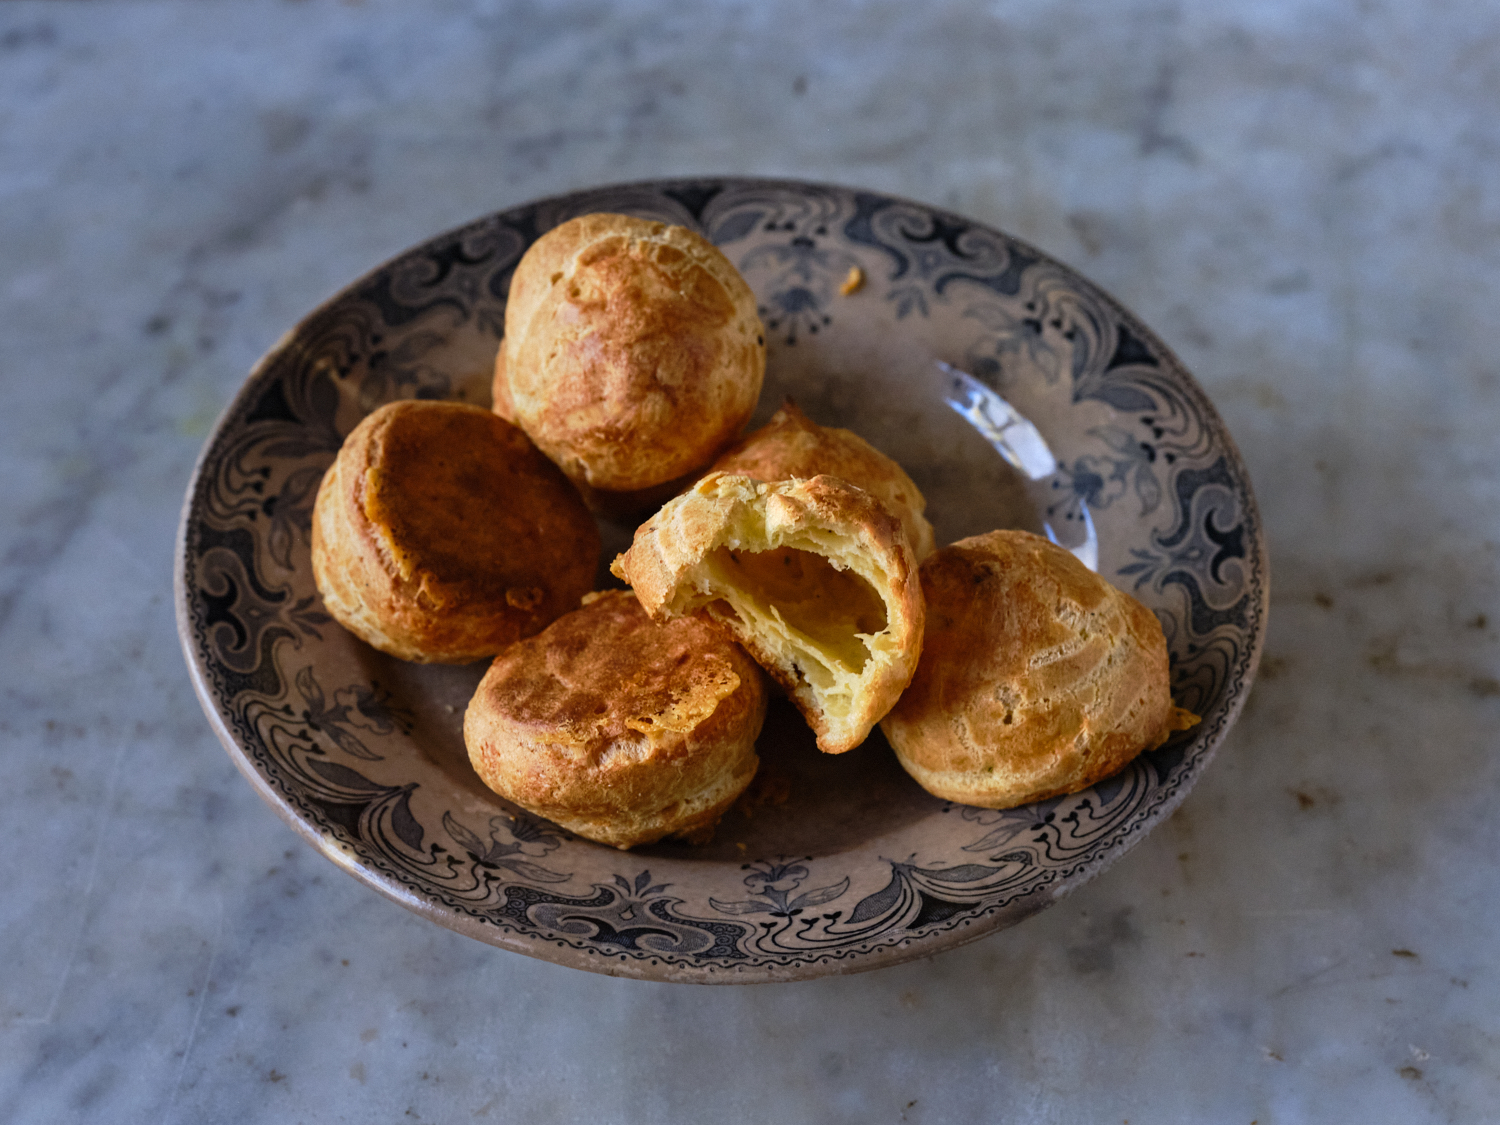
(1302, 197)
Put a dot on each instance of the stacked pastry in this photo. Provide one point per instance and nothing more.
(1001, 670)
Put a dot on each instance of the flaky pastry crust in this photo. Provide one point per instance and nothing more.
(792, 445)
(633, 353)
(441, 534)
(620, 729)
(1037, 676)
(814, 577)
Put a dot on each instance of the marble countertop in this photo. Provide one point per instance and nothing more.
(1300, 197)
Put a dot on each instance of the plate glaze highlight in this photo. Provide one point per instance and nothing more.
(832, 864)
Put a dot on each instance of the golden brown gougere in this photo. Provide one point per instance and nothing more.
(814, 577)
(1037, 676)
(620, 729)
(441, 534)
(633, 353)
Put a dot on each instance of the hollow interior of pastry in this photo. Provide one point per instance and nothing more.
(819, 621)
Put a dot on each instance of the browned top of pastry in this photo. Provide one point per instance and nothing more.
(607, 672)
(814, 577)
(632, 352)
(619, 728)
(792, 445)
(1037, 676)
(441, 533)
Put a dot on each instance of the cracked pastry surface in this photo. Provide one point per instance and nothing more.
(633, 353)
(441, 534)
(1037, 676)
(792, 445)
(621, 729)
(814, 577)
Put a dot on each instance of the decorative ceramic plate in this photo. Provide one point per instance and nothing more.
(1061, 412)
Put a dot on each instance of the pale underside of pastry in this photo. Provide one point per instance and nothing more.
(814, 577)
(620, 729)
(792, 445)
(1037, 676)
